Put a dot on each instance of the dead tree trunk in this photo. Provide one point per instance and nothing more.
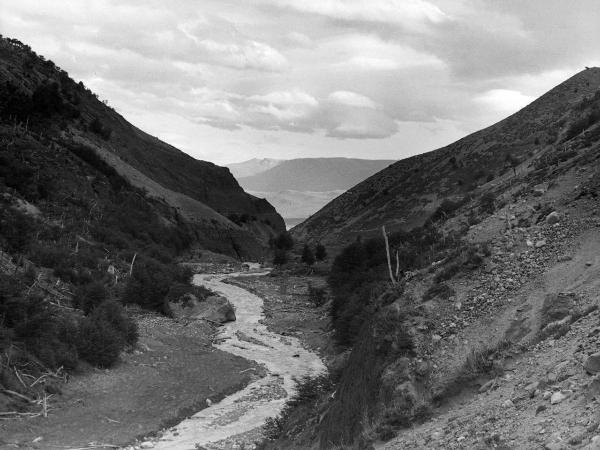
(387, 251)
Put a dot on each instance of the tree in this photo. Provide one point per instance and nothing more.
(280, 257)
(307, 255)
(282, 242)
(320, 252)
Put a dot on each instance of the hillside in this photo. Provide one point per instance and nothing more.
(481, 329)
(53, 107)
(406, 193)
(314, 174)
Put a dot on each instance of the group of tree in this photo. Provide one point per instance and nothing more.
(284, 242)
(309, 257)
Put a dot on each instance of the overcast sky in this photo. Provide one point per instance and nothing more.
(231, 80)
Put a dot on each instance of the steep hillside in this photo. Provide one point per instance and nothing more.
(314, 174)
(405, 194)
(252, 166)
(52, 106)
(479, 327)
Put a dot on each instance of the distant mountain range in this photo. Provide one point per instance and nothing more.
(300, 187)
(253, 166)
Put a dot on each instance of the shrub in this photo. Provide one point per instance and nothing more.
(50, 256)
(320, 252)
(113, 313)
(307, 255)
(283, 241)
(317, 295)
(280, 257)
(105, 333)
(89, 295)
(16, 230)
(99, 343)
(150, 284)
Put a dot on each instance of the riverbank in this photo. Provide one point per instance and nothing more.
(289, 312)
(170, 376)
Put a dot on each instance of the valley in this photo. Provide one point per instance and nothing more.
(149, 299)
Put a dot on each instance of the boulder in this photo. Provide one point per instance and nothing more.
(216, 309)
(552, 218)
(592, 364)
(557, 397)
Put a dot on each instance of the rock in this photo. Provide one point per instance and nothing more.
(508, 404)
(529, 243)
(592, 364)
(486, 386)
(147, 444)
(209, 402)
(541, 243)
(564, 258)
(589, 263)
(215, 309)
(557, 397)
(593, 388)
(552, 218)
(554, 446)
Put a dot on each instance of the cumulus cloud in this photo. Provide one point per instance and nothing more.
(504, 100)
(341, 114)
(323, 74)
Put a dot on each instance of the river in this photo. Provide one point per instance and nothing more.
(238, 418)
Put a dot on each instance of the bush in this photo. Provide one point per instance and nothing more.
(320, 252)
(88, 296)
(317, 295)
(50, 256)
(280, 257)
(307, 255)
(105, 333)
(283, 241)
(150, 284)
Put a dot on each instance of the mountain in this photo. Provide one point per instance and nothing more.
(313, 174)
(407, 193)
(252, 166)
(58, 112)
(299, 187)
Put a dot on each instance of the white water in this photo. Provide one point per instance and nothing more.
(247, 409)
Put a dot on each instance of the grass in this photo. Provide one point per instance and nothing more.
(481, 361)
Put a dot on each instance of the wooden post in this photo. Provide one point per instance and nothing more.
(387, 251)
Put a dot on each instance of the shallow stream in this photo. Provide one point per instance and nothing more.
(237, 420)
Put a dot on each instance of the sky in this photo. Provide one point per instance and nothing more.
(227, 81)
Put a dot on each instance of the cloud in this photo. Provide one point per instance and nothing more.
(351, 99)
(407, 13)
(322, 74)
(341, 114)
(504, 100)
